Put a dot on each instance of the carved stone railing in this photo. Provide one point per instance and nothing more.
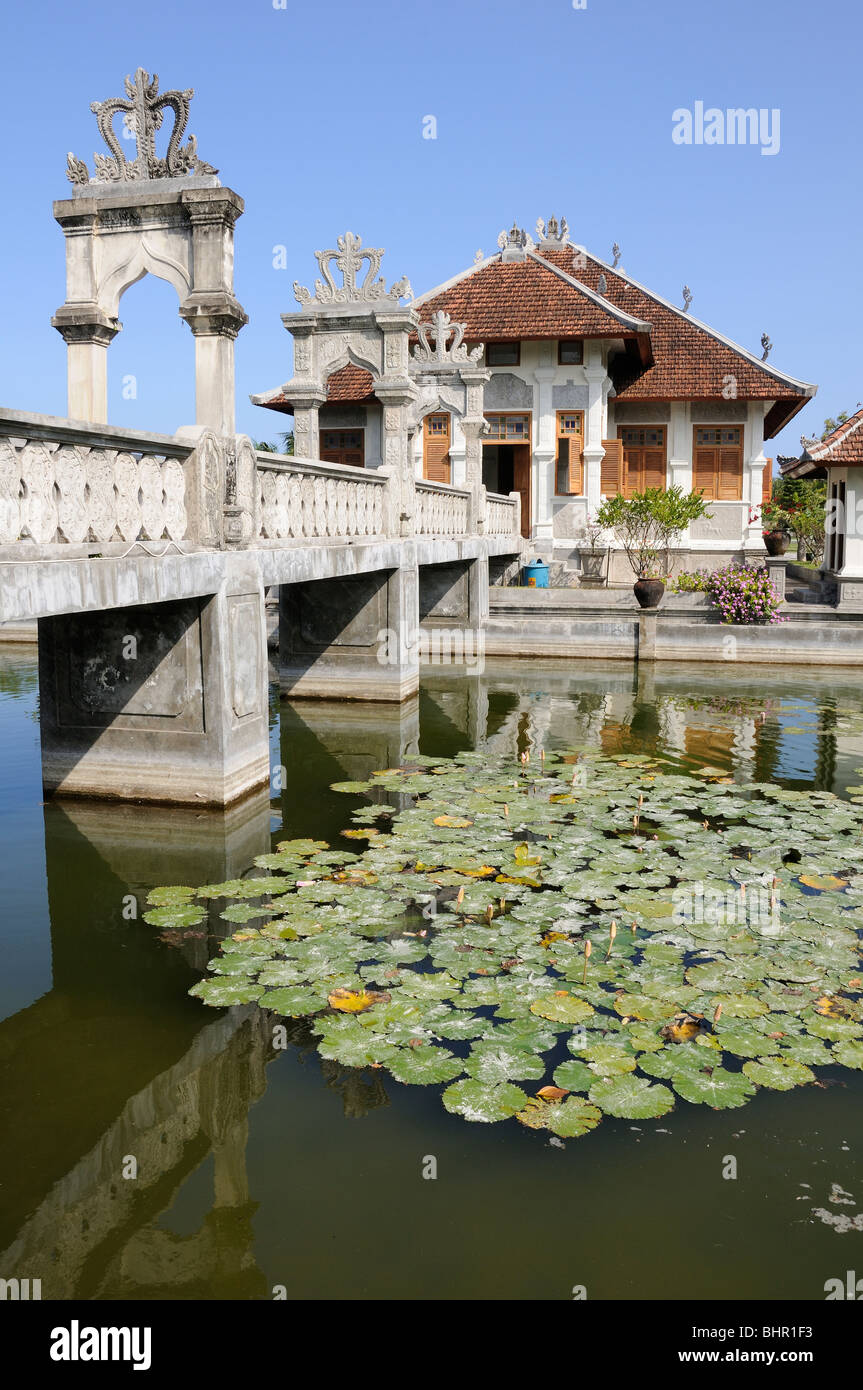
(502, 514)
(69, 485)
(441, 510)
(302, 498)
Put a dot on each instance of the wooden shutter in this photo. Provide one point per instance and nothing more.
(654, 468)
(576, 467)
(729, 482)
(436, 436)
(611, 469)
(704, 471)
(767, 481)
(343, 446)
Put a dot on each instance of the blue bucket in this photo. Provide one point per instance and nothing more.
(535, 575)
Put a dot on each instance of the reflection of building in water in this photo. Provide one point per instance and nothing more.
(95, 1234)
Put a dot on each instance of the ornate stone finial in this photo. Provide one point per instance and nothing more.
(615, 251)
(602, 285)
(516, 236)
(808, 443)
(349, 256)
(478, 257)
(687, 298)
(142, 113)
(552, 230)
(444, 352)
(766, 345)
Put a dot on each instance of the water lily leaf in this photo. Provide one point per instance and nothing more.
(721, 1089)
(425, 1066)
(171, 896)
(483, 1102)
(180, 915)
(294, 1001)
(631, 1097)
(823, 883)
(495, 1062)
(778, 1073)
(562, 1007)
(849, 1052)
(222, 993)
(569, 1118)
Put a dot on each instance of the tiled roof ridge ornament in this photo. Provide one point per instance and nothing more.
(602, 285)
(143, 111)
(616, 253)
(444, 352)
(767, 346)
(516, 237)
(687, 298)
(552, 230)
(349, 255)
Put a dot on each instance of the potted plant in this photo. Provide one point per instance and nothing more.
(592, 558)
(776, 528)
(647, 524)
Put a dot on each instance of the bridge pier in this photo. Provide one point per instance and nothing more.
(164, 702)
(351, 638)
(455, 594)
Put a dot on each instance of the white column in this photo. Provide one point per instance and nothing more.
(680, 457)
(853, 565)
(594, 424)
(755, 462)
(457, 454)
(543, 454)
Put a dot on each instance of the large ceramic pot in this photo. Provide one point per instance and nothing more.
(592, 567)
(649, 592)
(776, 542)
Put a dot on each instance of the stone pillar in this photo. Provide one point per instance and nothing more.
(594, 425)
(352, 638)
(307, 438)
(544, 451)
(166, 702)
(397, 455)
(215, 331)
(87, 335)
(776, 569)
(753, 477)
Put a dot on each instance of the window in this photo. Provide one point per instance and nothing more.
(503, 354)
(514, 429)
(436, 441)
(717, 463)
(343, 446)
(570, 351)
(643, 458)
(569, 465)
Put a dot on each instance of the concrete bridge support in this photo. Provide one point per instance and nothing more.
(351, 638)
(455, 594)
(162, 702)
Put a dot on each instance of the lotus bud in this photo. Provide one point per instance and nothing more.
(640, 801)
(635, 822)
(460, 897)
(612, 933)
(506, 810)
(489, 913)
(587, 949)
(717, 1014)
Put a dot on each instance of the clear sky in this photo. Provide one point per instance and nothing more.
(314, 114)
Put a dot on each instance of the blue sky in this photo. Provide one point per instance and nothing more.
(314, 114)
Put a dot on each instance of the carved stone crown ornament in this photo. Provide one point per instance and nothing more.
(444, 352)
(515, 237)
(349, 256)
(552, 230)
(142, 112)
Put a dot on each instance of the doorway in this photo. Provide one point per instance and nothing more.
(505, 469)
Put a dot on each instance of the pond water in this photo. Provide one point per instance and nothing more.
(259, 1168)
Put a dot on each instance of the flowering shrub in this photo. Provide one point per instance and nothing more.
(691, 582)
(744, 594)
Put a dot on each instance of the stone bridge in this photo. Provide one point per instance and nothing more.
(146, 559)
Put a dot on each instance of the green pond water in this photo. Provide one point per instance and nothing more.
(260, 1169)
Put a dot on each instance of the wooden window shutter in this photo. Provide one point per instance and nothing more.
(576, 467)
(631, 471)
(730, 475)
(654, 468)
(611, 469)
(767, 481)
(704, 472)
(436, 439)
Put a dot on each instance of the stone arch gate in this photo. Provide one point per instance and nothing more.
(169, 217)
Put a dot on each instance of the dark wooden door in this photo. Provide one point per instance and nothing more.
(521, 482)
